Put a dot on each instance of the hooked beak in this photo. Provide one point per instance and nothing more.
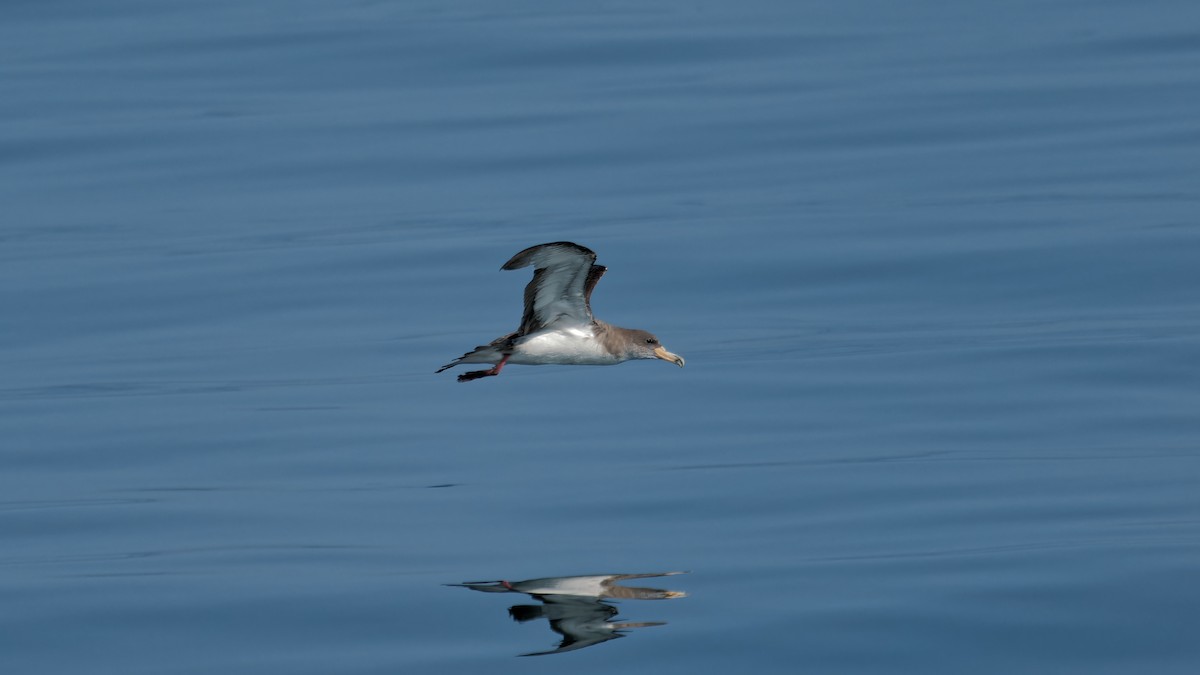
(660, 353)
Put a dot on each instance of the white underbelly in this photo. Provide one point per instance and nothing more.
(572, 346)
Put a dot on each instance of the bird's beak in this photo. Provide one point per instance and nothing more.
(665, 355)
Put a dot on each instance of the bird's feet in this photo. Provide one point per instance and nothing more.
(476, 374)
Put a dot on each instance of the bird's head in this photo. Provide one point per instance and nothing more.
(647, 346)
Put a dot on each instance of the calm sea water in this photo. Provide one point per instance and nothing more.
(933, 267)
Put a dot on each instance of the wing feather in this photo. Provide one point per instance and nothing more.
(561, 289)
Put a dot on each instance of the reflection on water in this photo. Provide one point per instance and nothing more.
(575, 606)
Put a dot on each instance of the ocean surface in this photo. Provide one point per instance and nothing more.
(934, 267)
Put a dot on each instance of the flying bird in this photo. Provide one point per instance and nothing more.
(558, 326)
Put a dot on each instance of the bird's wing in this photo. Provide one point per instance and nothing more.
(564, 275)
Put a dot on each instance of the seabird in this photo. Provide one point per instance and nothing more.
(558, 326)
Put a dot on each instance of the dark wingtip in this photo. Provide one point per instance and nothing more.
(522, 259)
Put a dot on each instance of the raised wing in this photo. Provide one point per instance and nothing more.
(564, 275)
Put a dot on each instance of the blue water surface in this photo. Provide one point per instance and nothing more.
(933, 267)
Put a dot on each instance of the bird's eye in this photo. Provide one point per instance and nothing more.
(651, 341)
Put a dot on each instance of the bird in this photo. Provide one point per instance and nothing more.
(558, 326)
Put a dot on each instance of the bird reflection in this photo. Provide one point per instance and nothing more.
(575, 606)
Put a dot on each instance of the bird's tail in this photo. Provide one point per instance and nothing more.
(481, 354)
(489, 353)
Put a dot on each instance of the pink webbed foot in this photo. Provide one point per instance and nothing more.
(476, 374)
